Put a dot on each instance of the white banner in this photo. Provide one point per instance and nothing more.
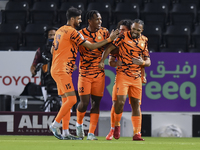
(15, 71)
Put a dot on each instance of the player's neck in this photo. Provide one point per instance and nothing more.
(70, 24)
(92, 29)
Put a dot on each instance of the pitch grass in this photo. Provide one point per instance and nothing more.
(124, 143)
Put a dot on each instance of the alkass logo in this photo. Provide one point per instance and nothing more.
(32, 123)
(9, 119)
(28, 122)
(86, 123)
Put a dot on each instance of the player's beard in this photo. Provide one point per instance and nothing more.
(77, 24)
(135, 36)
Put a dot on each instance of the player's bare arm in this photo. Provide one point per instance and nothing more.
(105, 55)
(113, 62)
(141, 62)
(52, 49)
(92, 46)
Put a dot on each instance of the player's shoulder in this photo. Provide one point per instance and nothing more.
(103, 29)
(66, 29)
(143, 38)
(83, 30)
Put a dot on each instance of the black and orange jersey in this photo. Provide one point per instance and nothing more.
(65, 43)
(89, 59)
(131, 48)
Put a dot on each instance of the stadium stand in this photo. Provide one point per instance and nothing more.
(126, 11)
(160, 13)
(44, 13)
(177, 37)
(10, 36)
(105, 10)
(16, 12)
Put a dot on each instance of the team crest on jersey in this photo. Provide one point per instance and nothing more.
(142, 44)
(99, 37)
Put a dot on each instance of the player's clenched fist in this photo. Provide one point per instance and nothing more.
(101, 65)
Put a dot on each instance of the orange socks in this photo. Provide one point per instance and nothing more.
(65, 108)
(112, 119)
(136, 121)
(93, 122)
(117, 118)
(80, 116)
(66, 118)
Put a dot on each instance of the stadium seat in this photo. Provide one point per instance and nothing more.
(195, 36)
(34, 35)
(196, 2)
(182, 14)
(65, 6)
(30, 2)
(126, 11)
(172, 50)
(44, 13)
(10, 35)
(16, 12)
(112, 2)
(6, 48)
(155, 14)
(177, 36)
(168, 2)
(154, 35)
(194, 50)
(104, 9)
(140, 3)
(57, 2)
(85, 2)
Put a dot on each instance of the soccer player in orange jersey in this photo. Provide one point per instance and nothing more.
(91, 80)
(123, 25)
(132, 45)
(64, 51)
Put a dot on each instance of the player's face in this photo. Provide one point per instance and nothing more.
(51, 34)
(96, 21)
(77, 21)
(122, 29)
(136, 30)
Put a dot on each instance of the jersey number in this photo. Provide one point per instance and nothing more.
(68, 86)
(81, 89)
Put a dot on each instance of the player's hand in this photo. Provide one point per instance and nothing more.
(144, 80)
(33, 68)
(138, 61)
(114, 34)
(75, 67)
(101, 65)
(118, 63)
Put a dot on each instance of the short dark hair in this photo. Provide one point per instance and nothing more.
(73, 12)
(139, 22)
(90, 14)
(125, 22)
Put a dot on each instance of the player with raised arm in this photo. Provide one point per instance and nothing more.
(64, 51)
(132, 45)
(91, 80)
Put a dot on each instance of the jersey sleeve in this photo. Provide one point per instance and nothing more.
(146, 51)
(77, 37)
(117, 41)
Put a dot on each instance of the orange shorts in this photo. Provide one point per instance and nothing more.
(129, 85)
(64, 82)
(93, 86)
(114, 94)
